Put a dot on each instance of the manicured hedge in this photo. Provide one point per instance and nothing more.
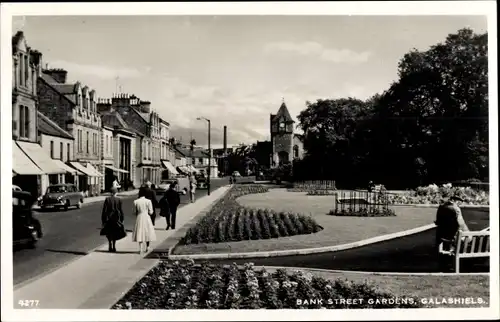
(229, 221)
(187, 285)
(364, 212)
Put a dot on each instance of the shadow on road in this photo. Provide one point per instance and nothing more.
(67, 252)
(117, 252)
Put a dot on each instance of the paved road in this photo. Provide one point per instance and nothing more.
(410, 254)
(74, 233)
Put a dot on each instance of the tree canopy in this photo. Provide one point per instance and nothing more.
(431, 125)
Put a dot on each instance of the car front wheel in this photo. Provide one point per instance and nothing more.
(79, 204)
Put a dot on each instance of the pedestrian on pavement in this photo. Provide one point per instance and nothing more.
(116, 184)
(192, 187)
(173, 200)
(151, 195)
(144, 231)
(449, 221)
(112, 219)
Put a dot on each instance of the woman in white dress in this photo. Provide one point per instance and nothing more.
(144, 231)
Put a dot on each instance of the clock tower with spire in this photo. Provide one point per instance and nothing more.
(282, 136)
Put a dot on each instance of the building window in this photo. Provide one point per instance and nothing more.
(21, 69)
(88, 139)
(200, 160)
(68, 152)
(79, 140)
(106, 144)
(26, 70)
(52, 149)
(24, 121)
(295, 151)
(61, 151)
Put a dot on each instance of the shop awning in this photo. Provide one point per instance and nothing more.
(68, 169)
(110, 167)
(80, 167)
(183, 170)
(40, 157)
(169, 167)
(21, 164)
(94, 170)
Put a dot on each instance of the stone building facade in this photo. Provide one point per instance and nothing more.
(146, 125)
(282, 128)
(26, 66)
(73, 107)
(121, 142)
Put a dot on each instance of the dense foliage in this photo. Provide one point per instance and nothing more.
(434, 194)
(171, 286)
(229, 221)
(431, 125)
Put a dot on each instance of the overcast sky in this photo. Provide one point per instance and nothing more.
(234, 70)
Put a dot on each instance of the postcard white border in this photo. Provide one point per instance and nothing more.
(487, 8)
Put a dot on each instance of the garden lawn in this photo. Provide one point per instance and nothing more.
(336, 230)
(460, 286)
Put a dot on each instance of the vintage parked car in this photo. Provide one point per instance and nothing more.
(27, 230)
(182, 185)
(62, 196)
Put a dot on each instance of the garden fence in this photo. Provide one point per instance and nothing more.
(356, 201)
(315, 185)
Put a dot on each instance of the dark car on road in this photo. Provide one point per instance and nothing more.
(61, 196)
(26, 229)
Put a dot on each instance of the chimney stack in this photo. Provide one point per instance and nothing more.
(225, 139)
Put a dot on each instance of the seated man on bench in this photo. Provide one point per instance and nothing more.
(449, 222)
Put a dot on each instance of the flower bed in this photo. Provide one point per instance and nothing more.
(321, 193)
(229, 221)
(364, 212)
(185, 285)
(434, 194)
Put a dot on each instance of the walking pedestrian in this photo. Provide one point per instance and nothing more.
(173, 200)
(192, 187)
(144, 231)
(116, 184)
(112, 219)
(151, 195)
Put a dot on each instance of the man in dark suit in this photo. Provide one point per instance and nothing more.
(173, 201)
(151, 195)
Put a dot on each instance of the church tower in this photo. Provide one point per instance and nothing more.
(282, 136)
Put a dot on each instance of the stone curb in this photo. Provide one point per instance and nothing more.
(292, 268)
(304, 251)
(436, 205)
(181, 232)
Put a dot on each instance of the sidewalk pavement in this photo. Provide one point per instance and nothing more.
(89, 200)
(100, 279)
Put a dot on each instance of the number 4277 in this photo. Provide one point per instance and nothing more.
(28, 303)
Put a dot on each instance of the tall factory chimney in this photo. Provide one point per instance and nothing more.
(225, 139)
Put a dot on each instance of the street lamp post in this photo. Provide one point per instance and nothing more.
(209, 152)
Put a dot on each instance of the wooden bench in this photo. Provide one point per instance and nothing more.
(469, 244)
